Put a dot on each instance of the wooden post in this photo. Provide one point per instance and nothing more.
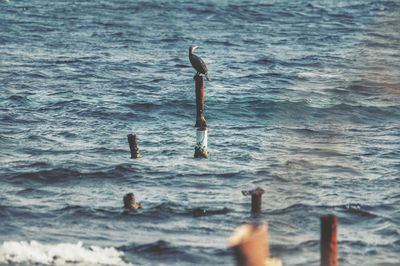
(133, 146)
(201, 149)
(200, 93)
(256, 198)
(329, 249)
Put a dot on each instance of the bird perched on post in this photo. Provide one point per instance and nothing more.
(197, 63)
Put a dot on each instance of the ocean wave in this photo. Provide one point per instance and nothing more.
(16, 100)
(74, 211)
(158, 247)
(170, 253)
(43, 172)
(45, 176)
(351, 212)
(33, 252)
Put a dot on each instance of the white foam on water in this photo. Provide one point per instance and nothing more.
(317, 75)
(58, 254)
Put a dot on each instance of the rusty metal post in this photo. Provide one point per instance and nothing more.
(200, 93)
(133, 146)
(329, 247)
(256, 198)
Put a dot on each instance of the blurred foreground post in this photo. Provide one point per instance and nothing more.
(256, 198)
(250, 246)
(133, 146)
(201, 149)
(329, 248)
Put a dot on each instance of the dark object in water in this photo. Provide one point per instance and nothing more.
(198, 63)
(133, 146)
(256, 198)
(198, 212)
(130, 202)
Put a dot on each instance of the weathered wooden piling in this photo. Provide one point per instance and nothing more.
(133, 146)
(250, 246)
(329, 247)
(201, 149)
(256, 198)
(200, 93)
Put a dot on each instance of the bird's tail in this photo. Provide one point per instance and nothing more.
(207, 77)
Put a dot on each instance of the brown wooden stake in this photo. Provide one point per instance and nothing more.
(329, 248)
(256, 198)
(200, 118)
(133, 146)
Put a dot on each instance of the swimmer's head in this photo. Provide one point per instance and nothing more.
(130, 202)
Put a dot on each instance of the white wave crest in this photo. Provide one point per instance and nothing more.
(12, 252)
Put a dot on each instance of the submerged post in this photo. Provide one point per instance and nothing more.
(256, 198)
(133, 146)
(201, 149)
(329, 248)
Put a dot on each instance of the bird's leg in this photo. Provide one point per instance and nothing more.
(195, 76)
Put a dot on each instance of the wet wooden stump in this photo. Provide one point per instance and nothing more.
(200, 93)
(256, 198)
(133, 146)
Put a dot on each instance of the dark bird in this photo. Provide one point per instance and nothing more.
(198, 63)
